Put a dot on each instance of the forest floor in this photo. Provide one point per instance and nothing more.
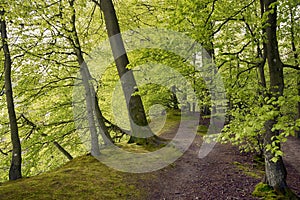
(224, 173)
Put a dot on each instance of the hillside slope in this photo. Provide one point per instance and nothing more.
(82, 178)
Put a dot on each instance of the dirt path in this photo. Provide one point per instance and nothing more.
(215, 176)
(291, 158)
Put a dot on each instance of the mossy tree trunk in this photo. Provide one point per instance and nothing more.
(16, 161)
(275, 171)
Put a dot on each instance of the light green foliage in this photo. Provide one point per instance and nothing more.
(238, 50)
(43, 74)
(45, 68)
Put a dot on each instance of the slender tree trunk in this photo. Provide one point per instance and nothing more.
(91, 99)
(100, 120)
(15, 167)
(174, 100)
(134, 103)
(275, 171)
(89, 95)
(262, 53)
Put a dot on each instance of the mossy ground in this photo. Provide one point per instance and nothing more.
(82, 178)
(267, 193)
(250, 170)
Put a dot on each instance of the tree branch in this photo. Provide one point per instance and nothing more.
(64, 151)
(231, 17)
(240, 51)
(4, 153)
(291, 66)
(211, 12)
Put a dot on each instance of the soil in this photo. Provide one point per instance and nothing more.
(215, 176)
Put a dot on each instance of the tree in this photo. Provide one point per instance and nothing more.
(43, 76)
(16, 160)
(92, 105)
(246, 43)
(275, 169)
(134, 103)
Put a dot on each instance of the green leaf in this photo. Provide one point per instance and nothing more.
(274, 159)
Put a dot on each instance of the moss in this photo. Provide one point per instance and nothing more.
(267, 193)
(263, 190)
(83, 178)
(250, 170)
(86, 178)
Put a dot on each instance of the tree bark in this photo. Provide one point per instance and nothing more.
(100, 120)
(262, 53)
(91, 99)
(275, 171)
(16, 161)
(134, 103)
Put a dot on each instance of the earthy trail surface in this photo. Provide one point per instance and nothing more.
(215, 176)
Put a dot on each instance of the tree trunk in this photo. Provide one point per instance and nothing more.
(100, 120)
(89, 96)
(174, 100)
(91, 99)
(16, 162)
(275, 171)
(262, 53)
(134, 103)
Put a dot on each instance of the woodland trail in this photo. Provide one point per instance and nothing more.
(291, 158)
(215, 176)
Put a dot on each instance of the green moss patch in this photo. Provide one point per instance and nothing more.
(264, 191)
(250, 170)
(267, 193)
(83, 178)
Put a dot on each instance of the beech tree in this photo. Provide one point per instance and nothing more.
(16, 158)
(275, 169)
(137, 116)
(258, 107)
(93, 109)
